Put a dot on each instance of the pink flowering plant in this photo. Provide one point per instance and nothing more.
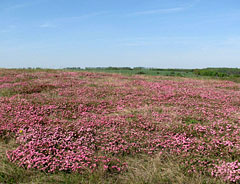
(77, 121)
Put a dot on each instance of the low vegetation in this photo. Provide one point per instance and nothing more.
(223, 73)
(62, 126)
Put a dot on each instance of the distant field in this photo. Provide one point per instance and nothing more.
(145, 71)
(231, 74)
(97, 126)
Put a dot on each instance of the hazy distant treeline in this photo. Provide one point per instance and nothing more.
(219, 72)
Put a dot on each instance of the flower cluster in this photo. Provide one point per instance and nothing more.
(229, 171)
(77, 121)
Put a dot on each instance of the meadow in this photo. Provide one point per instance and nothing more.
(62, 126)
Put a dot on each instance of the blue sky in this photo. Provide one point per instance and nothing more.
(148, 33)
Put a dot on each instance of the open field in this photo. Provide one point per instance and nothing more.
(230, 74)
(213, 72)
(85, 127)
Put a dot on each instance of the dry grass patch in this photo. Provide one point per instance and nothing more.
(142, 170)
(161, 170)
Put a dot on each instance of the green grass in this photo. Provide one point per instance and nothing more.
(208, 73)
(5, 92)
(143, 72)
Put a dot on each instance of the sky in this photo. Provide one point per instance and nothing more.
(129, 33)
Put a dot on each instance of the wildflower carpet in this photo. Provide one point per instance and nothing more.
(78, 122)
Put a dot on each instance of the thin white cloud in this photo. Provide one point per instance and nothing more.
(159, 11)
(186, 41)
(166, 10)
(134, 44)
(80, 17)
(8, 29)
(47, 25)
(17, 6)
(58, 21)
(23, 5)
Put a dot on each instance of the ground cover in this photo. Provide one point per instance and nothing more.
(88, 127)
